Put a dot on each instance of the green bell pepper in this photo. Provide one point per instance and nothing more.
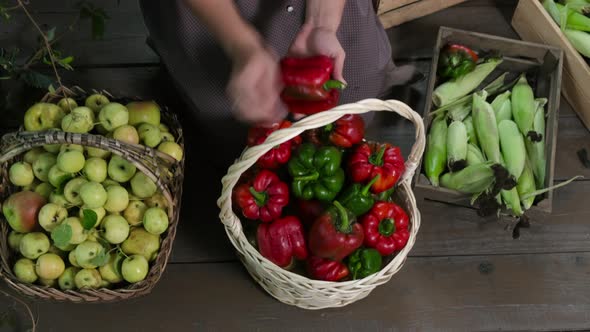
(317, 172)
(357, 198)
(363, 262)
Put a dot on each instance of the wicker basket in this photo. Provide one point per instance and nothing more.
(295, 289)
(166, 172)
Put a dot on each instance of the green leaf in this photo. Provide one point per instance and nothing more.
(51, 88)
(101, 259)
(36, 79)
(61, 235)
(67, 60)
(50, 35)
(89, 219)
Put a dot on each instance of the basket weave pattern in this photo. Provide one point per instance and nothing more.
(295, 289)
(167, 173)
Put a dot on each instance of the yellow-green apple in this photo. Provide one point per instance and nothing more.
(111, 271)
(135, 268)
(34, 244)
(149, 134)
(167, 137)
(44, 189)
(51, 215)
(43, 164)
(95, 169)
(109, 182)
(49, 266)
(97, 152)
(47, 282)
(66, 279)
(21, 174)
(72, 190)
(72, 258)
(100, 213)
(157, 200)
(155, 220)
(116, 228)
(142, 186)
(134, 212)
(67, 104)
(59, 199)
(57, 177)
(172, 149)
(117, 199)
(93, 194)
(21, 210)
(87, 278)
(80, 120)
(71, 161)
(24, 270)
(96, 102)
(144, 112)
(113, 115)
(126, 133)
(71, 147)
(163, 128)
(65, 247)
(120, 169)
(14, 240)
(86, 252)
(79, 234)
(32, 155)
(43, 116)
(141, 242)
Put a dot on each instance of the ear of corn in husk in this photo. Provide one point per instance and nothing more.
(456, 146)
(523, 108)
(536, 150)
(512, 147)
(580, 40)
(436, 150)
(526, 184)
(474, 155)
(471, 135)
(486, 129)
(472, 179)
(502, 106)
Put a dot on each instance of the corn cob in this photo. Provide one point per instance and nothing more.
(512, 146)
(472, 179)
(459, 112)
(471, 136)
(574, 20)
(526, 184)
(484, 122)
(474, 155)
(523, 108)
(436, 150)
(512, 201)
(580, 40)
(456, 146)
(579, 6)
(536, 150)
(502, 106)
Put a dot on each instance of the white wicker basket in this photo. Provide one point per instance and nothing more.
(295, 289)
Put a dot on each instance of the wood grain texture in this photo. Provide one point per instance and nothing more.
(479, 293)
(413, 10)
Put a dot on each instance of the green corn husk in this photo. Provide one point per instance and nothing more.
(462, 86)
(512, 147)
(436, 150)
(580, 40)
(536, 150)
(472, 179)
(471, 135)
(579, 6)
(526, 185)
(456, 146)
(459, 112)
(523, 108)
(502, 106)
(474, 155)
(566, 17)
(512, 201)
(484, 122)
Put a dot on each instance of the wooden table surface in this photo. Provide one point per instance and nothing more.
(464, 273)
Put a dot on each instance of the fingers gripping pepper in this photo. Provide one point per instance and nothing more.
(371, 159)
(364, 262)
(357, 198)
(325, 269)
(335, 234)
(282, 241)
(316, 172)
(278, 155)
(386, 228)
(262, 198)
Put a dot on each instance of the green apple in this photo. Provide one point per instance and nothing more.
(87, 278)
(167, 137)
(65, 248)
(32, 155)
(44, 189)
(34, 244)
(111, 271)
(43, 116)
(59, 199)
(72, 190)
(24, 270)
(97, 152)
(21, 174)
(116, 228)
(43, 164)
(53, 249)
(117, 199)
(80, 120)
(48, 282)
(109, 182)
(57, 177)
(134, 212)
(79, 234)
(51, 215)
(21, 210)
(96, 102)
(66, 279)
(49, 266)
(67, 104)
(135, 268)
(155, 220)
(71, 161)
(14, 240)
(163, 128)
(172, 149)
(71, 147)
(120, 169)
(86, 112)
(142, 186)
(104, 284)
(86, 251)
(95, 169)
(32, 186)
(141, 242)
(157, 200)
(53, 148)
(72, 258)
(93, 194)
(100, 213)
(149, 134)
(113, 115)
(126, 133)
(144, 112)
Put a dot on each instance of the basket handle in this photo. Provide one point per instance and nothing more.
(252, 154)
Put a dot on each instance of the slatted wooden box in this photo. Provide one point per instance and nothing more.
(396, 12)
(542, 63)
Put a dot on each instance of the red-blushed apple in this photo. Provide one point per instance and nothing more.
(172, 149)
(113, 115)
(141, 242)
(43, 116)
(66, 279)
(126, 133)
(49, 266)
(21, 210)
(135, 268)
(155, 220)
(34, 244)
(88, 278)
(144, 112)
(24, 270)
(21, 174)
(96, 102)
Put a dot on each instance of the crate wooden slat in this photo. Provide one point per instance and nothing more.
(395, 12)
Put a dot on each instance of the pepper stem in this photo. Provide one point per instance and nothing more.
(329, 127)
(377, 159)
(259, 197)
(344, 224)
(367, 187)
(386, 227)
(334, 84)
(313, 176)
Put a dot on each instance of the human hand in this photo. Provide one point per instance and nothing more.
(255, 86)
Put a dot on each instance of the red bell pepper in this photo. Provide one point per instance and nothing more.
(371, 159)
(344, 132)
(262, 198)
(325, 269)
(386, 228)
(308, 87)
(278, 155)
(335, 234)
(282, 241)
(310, 210)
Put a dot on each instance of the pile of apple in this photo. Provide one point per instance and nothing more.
(82, 217)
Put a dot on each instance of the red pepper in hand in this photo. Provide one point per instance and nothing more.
(335, 234)
(386, 228)
(282, 241)
(325, 269)
(278, 155)
(262, 198)
(371, 159)
(308, 87)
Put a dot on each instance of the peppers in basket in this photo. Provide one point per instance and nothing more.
(345, 132)
(364, 262)
(282, 241)
(316, 172)
(456, 61)
(308, 87)
(326, 269)
(386, 228)
(357, 198)
(262, 198)
(371, 159)
(277, 156)
(335, 234)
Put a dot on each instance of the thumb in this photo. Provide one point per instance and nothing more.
(339, 67)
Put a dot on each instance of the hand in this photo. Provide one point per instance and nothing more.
(255, 86)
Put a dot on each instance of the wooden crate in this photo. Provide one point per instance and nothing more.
(543, 62)
(532, 22)
(396, 12)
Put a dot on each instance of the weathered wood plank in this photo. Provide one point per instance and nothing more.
(505, 292)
